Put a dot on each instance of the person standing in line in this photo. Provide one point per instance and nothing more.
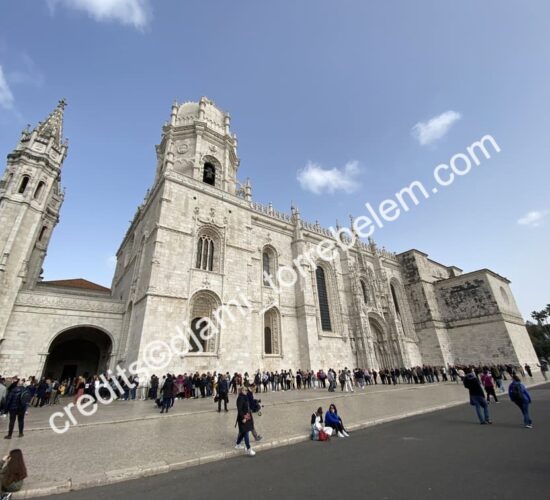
(477, 397)
(223, 393)
(521, 397)
(16, 404)
(244, 421)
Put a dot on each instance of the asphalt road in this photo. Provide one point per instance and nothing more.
(442, 455)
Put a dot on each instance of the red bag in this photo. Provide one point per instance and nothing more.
(323, 436)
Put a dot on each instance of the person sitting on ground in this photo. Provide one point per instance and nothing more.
(333, 420)
(12, 473)
(317, 425)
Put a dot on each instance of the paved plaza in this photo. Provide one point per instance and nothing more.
(130, 439)
(441, 455)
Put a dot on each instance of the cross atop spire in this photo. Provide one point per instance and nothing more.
(53, 125)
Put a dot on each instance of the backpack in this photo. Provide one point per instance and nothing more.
(342, 378)
(24, 398)
(516, 394)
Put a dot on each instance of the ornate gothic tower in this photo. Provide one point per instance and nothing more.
(30, 200)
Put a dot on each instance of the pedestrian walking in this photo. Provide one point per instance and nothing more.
(477, 397)
(488, 384)
(521, 397)
(528, 370)
(244, 421)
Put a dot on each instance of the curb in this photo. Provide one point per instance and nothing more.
(121, 475)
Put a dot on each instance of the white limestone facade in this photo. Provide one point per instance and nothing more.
(202, 256)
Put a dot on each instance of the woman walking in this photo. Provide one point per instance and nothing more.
(244, 421)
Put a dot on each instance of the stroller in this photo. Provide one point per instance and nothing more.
(256, 407)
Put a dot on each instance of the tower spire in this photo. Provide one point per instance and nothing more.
(52, 126)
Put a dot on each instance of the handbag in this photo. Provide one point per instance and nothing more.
(323, 436)
(247, 417)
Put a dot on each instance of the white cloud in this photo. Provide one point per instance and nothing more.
(533, 219)
(435, 128)
(318, 180)
(6, 97)
(28, 72)
(136, 13)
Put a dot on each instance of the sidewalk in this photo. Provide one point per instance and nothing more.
(127, 440)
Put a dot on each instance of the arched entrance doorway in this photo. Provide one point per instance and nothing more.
(83, 350)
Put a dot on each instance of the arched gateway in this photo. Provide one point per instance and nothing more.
(82, 350)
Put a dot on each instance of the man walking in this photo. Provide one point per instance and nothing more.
(477, 397)
(519, 395)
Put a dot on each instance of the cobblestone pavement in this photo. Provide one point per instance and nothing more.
(131, 439)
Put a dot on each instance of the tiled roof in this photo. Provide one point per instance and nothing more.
(77, 283)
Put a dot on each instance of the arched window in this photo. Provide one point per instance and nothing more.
(42, 233)
(39, 189)
(324, 308)
(23, 185)
(268, 337)
(209, 174)
(365, 292)
(204, 322)
(269, 265)
(394, 296)
(272, 343)
(205, 253)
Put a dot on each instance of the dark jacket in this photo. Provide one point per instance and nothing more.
(471, 382)
(14, 402)
(168, 388)
(223, 387)
(243, 409)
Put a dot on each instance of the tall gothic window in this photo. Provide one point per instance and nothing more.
(38, 190)
(269, 265)
(323, 299)
(205, 253)
(23, 185)
(209, 174)
(42, 233)
(272, 328)
(266, 267)
(394, 296)
(268, 337)
(365, 293)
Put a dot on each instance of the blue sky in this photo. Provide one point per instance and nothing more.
(314, 83)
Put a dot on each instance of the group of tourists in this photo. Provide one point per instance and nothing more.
(481, 387)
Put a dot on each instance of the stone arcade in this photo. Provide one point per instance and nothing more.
(199, 242)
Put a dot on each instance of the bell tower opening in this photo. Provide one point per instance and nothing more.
(209, 174)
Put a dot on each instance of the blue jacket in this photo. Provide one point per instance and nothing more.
(526, 395)
(331, 419)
